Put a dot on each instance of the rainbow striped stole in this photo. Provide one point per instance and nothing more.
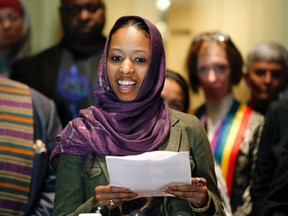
(228, 138)
(16, 146)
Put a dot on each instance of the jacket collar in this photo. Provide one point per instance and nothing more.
(173, 138)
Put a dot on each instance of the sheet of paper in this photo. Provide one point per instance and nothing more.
(149, 173)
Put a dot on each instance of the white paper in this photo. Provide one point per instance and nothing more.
(149, 173)
(90, 214)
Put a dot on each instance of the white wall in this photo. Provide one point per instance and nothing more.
(246, 21)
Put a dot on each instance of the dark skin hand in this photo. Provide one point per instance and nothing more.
(104, 195)
(196, 193)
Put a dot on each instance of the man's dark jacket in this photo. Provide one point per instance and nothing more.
(41, 73)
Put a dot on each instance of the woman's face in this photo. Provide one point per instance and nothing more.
(172, 94)
(11, 26)
(127, 62)
(214, 72)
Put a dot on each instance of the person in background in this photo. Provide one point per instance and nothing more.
(276, 203)
(29, 124)
(267, 74)
(284, 93)
(273, 139)
(176, 95)
(233, 128)
(131, 118)
(14, 34)
(66, 72)
(176, 92)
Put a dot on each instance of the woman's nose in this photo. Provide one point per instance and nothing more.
(127, 66)
(211, 75)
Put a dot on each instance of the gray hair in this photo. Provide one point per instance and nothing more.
(268, 51)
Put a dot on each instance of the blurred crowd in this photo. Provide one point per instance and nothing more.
(47, 100)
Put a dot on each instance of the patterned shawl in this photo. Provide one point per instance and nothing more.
(228, 138)
(16, 146)
(114, 127)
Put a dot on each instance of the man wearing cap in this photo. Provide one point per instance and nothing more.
(14, 34)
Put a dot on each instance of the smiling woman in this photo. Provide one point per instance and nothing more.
(127, 65)
(131, 118)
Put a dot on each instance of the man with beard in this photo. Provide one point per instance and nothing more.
(267, 73)
(66, 71)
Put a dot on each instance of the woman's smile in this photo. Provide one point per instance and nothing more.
(127, 62)
(126, 86)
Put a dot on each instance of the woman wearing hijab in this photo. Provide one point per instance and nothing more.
(131, 118)
(14, 34)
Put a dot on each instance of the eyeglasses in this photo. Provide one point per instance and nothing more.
(75, 10)
(217, 36)
(218, 69)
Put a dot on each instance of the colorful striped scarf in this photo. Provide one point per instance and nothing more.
(228, 138)
(16, 146)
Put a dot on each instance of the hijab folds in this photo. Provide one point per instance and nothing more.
(114, 127)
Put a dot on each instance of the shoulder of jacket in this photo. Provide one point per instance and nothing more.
(181, 117)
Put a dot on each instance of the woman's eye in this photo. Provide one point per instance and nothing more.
(203, 70)
(115, 58)
(139, 60)
(221, 68)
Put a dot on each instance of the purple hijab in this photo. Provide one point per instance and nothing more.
(114, 127)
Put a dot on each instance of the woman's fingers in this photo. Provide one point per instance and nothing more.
(112, 196)
(196, 192)
(198, 181)
(109, 189)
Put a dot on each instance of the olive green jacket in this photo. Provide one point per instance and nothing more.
(77, 178)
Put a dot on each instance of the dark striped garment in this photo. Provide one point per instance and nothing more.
(16, 146)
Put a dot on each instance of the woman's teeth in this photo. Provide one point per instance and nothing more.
(126, 83)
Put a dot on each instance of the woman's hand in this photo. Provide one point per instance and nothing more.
(196, 192)
(112, 196)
